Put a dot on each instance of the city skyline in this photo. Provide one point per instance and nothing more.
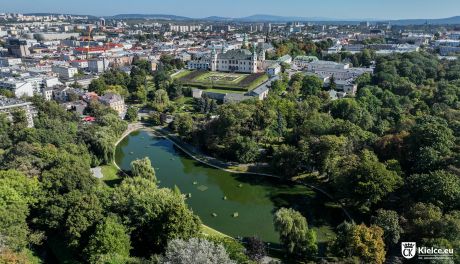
(332, 9)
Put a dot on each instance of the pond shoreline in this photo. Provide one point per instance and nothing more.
(210, 161)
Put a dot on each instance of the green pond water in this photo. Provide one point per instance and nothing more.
(216, 195)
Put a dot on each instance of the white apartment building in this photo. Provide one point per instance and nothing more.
(18, 87)
(65, 72)
(8, 61)
(9, 105)
(321, 65)
(98, 65)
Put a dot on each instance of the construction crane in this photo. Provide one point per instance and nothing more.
(90, 28)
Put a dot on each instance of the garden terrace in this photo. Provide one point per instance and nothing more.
(222, 80)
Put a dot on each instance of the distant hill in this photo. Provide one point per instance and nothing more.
(272, 18)
(439, 21)
(150, 16)
(217, 18)
(57, 14)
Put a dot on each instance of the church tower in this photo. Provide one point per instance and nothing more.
(213, 59)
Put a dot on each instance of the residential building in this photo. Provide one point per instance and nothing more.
(65, 72)
(114, 101)
(10, 105)
(18, 87)
(18, 48)
(303, 61)
(273, 69)
(98, 65)
(9, 61)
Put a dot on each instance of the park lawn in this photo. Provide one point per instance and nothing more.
(221, 77)
(184, 104)
(242, 82)
(181, 74)
(256, 83)
(212, 232)
(111, 175)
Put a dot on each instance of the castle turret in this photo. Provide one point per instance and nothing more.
(245, 42)
(213, 62)
(254, 58)
(223, 48)
(261, 51)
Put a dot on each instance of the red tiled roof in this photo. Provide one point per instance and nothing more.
(106, 47)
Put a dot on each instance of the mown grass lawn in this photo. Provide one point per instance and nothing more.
(212, 232)
(111, 175)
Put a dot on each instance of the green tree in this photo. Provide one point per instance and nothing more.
(234, 248)
(423, 221)
(440, 188)
(369, 182)
(363, 80)
(366, 58)
(154, 216)
(430, 144)
(388, 220)
(286, 161)
(349, 109)
(297, 239)
(110, 238)
(5, 141)
(143, 168)
(161, 100)
(278, 86)
(98, 86)
(332, 83)
(183, 124)
(246, 150)
(311, 85)
(13, 215)
(360, 241)
(132, 114)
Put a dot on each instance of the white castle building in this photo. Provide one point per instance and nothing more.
(237, 60)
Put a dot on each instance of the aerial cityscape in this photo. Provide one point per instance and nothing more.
(228, 132)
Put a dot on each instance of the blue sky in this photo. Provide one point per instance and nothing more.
(382, 9)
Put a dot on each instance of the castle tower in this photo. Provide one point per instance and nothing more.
(254, 58)
(261, 52)
(245, 42)
(213, 59)
(223, 48)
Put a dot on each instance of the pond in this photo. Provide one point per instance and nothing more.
(238, 205)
